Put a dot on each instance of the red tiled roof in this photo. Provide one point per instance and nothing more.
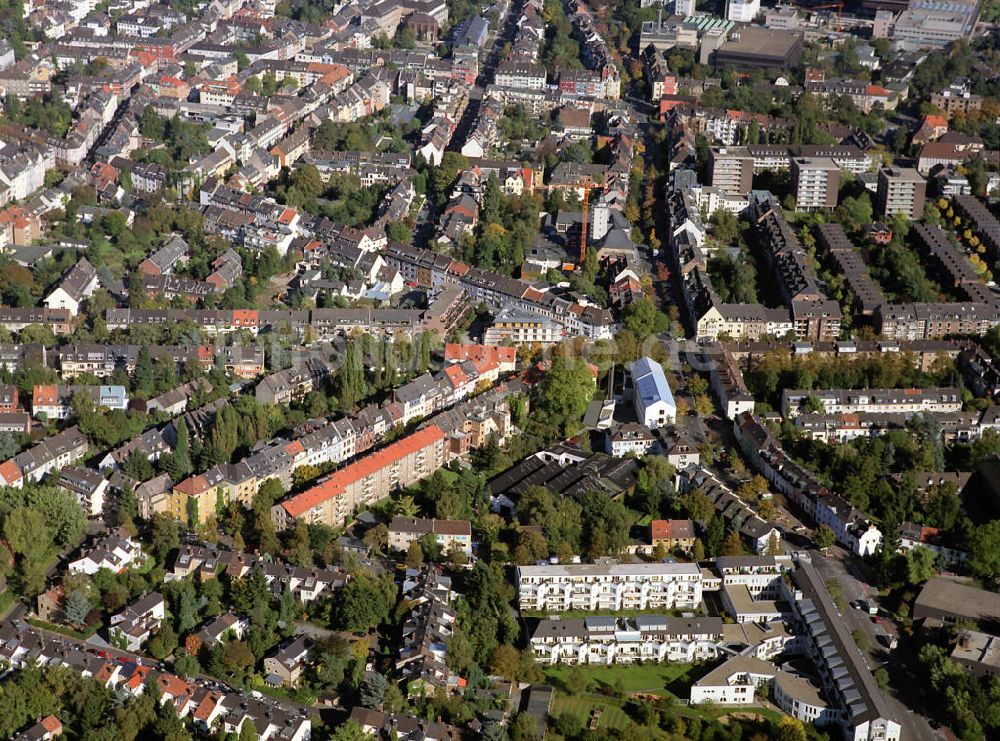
(456, 375)
(9, 471)
(340, 480)
(51, 724)
(44, 395)
(192, 486)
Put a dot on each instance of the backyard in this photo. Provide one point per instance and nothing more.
(599, 693)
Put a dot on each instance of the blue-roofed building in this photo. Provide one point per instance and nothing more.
(651, 396)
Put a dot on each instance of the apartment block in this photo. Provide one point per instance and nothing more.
(613, 640)
(876, 401)
(732, 170)
(448, 534)
(609, 585)
(816, 181)
(367, 480)
(901, 190)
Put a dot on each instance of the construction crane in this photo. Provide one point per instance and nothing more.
(586, 188)
(831, 6)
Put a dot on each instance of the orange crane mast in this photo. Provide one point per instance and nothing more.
(586, 188)
(830, 6)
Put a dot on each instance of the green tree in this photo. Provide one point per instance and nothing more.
(373, 690)
(565, 391)
(984, 550)
(164, 641)
(164, 536)
(351, 378)
(733, 544)
(642, 318)
(182, 449)
(363, 603)
(143, 378)
(398, 232)
(824, 537)
(76, 608)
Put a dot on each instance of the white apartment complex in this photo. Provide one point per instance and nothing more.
(612, 640)
(609, 585)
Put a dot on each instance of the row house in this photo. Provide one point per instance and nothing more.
(520, 75)
(56, 401)
(50, 454)
(874, 401)
(604, 641)
(761, 536)
(210, 705)
(923, 321)
(427, 630)
(839, 428)
(172, 287)
(499, 292)
(207, 562)
(852, 528)
(862, 711)
(863, 94)
(595, 51)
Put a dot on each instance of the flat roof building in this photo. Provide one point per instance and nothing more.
(816, 181)
(944, 601)
(756, 48)
(901, 190)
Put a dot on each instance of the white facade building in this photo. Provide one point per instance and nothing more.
(653, 401)
(610, 640)
(609, 585)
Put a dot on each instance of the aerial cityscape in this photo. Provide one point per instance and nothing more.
(436, 370)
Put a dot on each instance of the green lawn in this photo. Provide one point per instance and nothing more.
(656, 679)
(580, 707)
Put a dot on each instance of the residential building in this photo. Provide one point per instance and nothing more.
(87, 485)
(78, 284)
(115, 552)
(732, 169)
(672, 534)
(285, 666)
(450, 535)
(613, 640)
(608, 585)
(901, 190)
(873, 401)
(629, 438)
(816, 183)
(427, 630)
(133, 626)
(364, 482)
(864, 714)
